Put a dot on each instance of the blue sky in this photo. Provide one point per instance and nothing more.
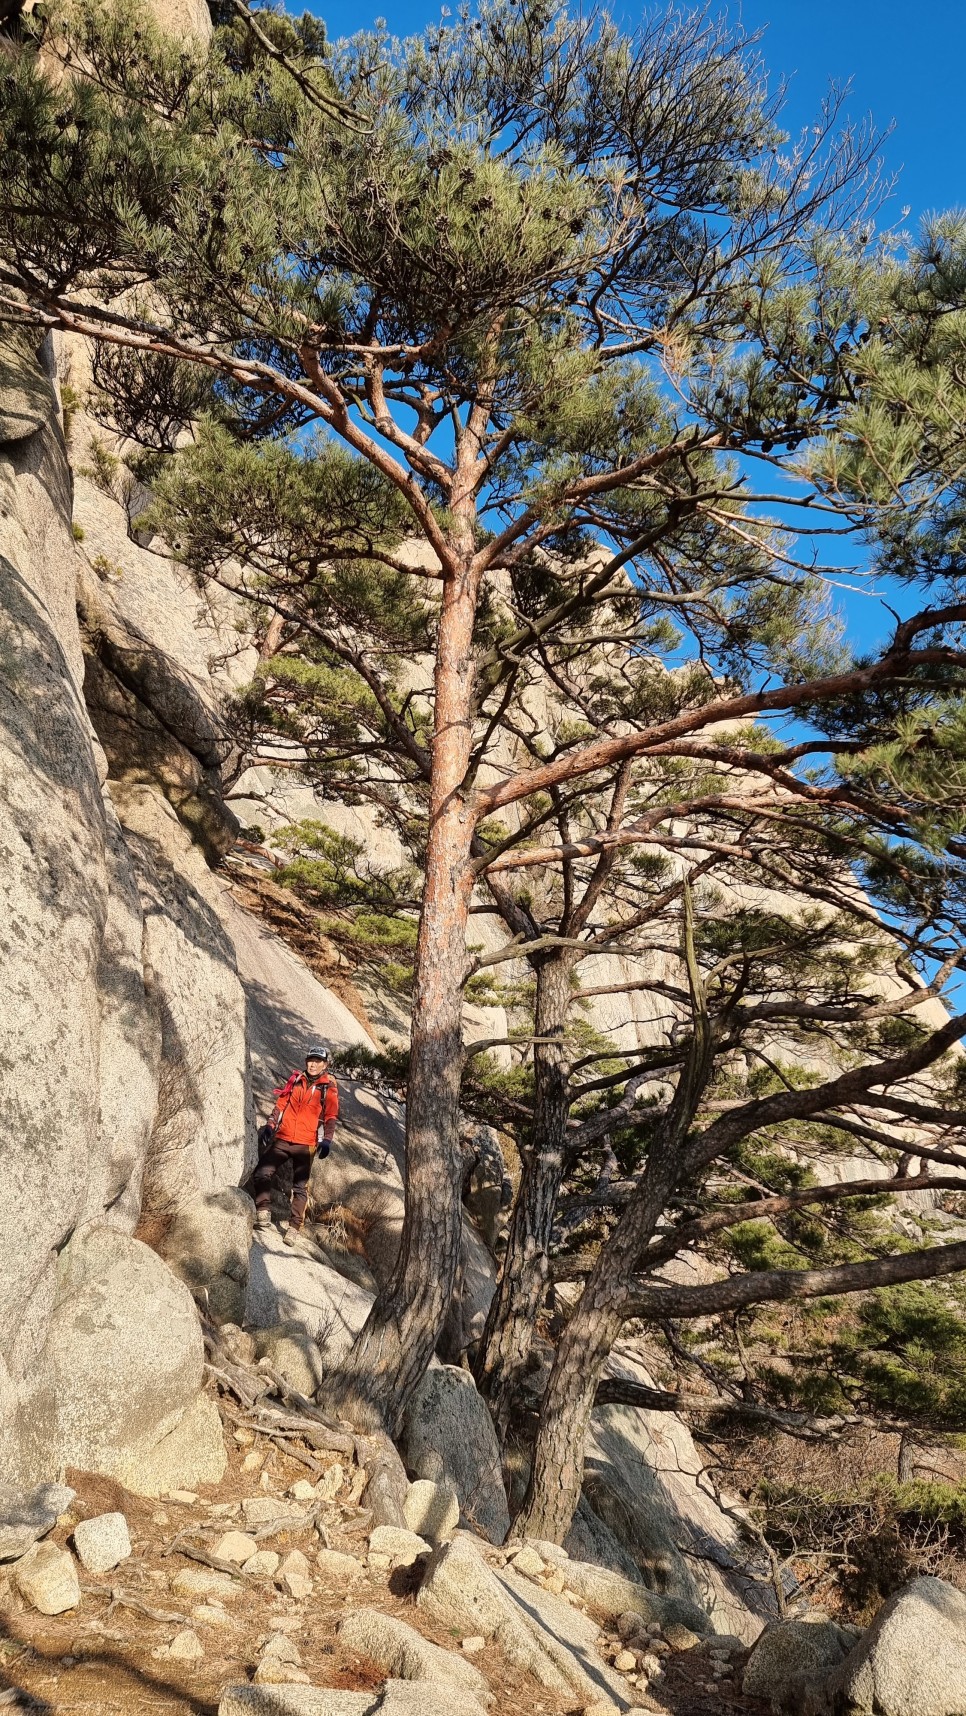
(905, 61)
(904, 64)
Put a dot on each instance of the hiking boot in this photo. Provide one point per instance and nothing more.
(263, 1218)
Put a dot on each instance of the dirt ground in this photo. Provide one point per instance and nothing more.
(109, 1653)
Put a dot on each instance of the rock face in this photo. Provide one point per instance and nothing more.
(207, 1245)
(912, 1660)
(449, 1437)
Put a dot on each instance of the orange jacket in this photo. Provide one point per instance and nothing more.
(306, 1112)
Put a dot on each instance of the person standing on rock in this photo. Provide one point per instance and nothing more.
(300, 1127)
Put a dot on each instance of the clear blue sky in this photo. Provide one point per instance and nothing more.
(906, 62)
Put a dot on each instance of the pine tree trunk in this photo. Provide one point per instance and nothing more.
(557, 1472)
(508, 1335)
(392, 1351)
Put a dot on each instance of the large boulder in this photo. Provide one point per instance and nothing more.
(298, 1289)
(207, 1246)
(404, 1654)
(790, 1656)
(449, 1437)
(291, 1351)
(538, 1632)
(122, 1368)
(911, 1661)
(615, 1594)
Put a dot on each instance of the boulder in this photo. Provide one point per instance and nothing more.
(295, 1575)
(186, 1646)
(337, 1567)
(235, 1546)
(264, 1564)
(449, 1437)
(46, 1577)
(616, 1595)
(199, 1582)
(102, 1542)
(404, 1698)
(297, 1289)
(124, 1360)
(402, 1547)
(250, 1700)
(432, 1510)
(911, 1661)
(207, 1246)
(538, 1632)
(404, 1654)
(291, 1350)
(27, 1515)
(790, 1655)
(192, 1453)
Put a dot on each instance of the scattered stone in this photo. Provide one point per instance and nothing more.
(235, 1546)
(25, 1517)
(302, 1491)
(281, 1646)
(556, 1582)
(432, 1510)
(187, 1646)
(404, 1654)
(271, 1671)
(625, 1662)
(264, 1564)
(332, 1480)
(680, 1637)
(198, 1582)
(253, 1462)
(102, 1542)
(186, 1498)
(46, 1577)
(912, 1660)
(295, 1575)
(244, 1437)
(472, 1645)
(380, 1563)
(334, 1565)
(402, 1547)
(265, 1510)
(631, 1625)
(526, 1560)
(212, 1615)
(790, 1655)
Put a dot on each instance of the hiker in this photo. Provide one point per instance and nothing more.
(300, 1126)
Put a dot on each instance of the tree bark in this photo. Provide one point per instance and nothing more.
(393, 1349)
(508, 1335)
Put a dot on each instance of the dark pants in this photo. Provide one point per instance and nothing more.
(274, 1158)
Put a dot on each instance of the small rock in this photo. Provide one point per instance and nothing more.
(281, 1646)
(295, 1575)
(380, 1563)
(210, 1614)
(264, 1510)
(187, 1646)
(272, 1672)
(528, 1561)
(555, 1582)
(185, 1498)
(244, 1437)
(678, 1636)
(653, 1628)
(161, 1518)
(236, 1546)
(660, 1647)
(651, 1666)
(630, 1625)
(252, 1462)
(221, 1510)
(46, 1577)
(334, 1565)
(332, 1480)
(102, 1542)
(264, 1564)
(472, 1645)
(402, 1547)
(197, 1582)
(302, 1491)
(625, 1662)
(432, 1510)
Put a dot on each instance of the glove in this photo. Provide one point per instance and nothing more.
(266, 1137)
